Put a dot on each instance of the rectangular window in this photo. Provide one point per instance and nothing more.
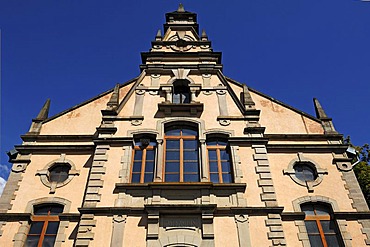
(219, 161)
(143, 162)
(181, 162)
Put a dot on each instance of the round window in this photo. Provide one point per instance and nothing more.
(305, 172)
(59, 173)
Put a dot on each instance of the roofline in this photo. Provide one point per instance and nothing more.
(87, 101)
(276, 101)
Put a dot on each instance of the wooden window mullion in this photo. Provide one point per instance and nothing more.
(219, 165)
(181, 160)
(321, 231)
(143, 160)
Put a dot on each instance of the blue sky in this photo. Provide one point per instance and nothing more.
(70, 51)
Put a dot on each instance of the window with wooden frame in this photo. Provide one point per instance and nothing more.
(219, 160)
(44, 226)
(181, 92)
(181, 159)
(143, 162)
(321, 228)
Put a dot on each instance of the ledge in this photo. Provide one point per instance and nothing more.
(323, 148)
(300, 137)
(193, 109)
(56, 138)
(179, 186)
(49, 148)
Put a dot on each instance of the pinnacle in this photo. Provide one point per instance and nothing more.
(181, 8)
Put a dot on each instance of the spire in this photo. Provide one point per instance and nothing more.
(320, 113)
(181, 8)
(326, 122)
(114, 99)
(247, 99)
(204, 35)
(44, 112)
(37, 122)
(158, 37)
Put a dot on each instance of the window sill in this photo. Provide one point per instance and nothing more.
(240, 187)
(191, 109)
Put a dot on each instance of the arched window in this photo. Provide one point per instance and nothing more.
(181, 159)
(219, 160)
(143, 162)
(322, 230)
(181, 92)
(44, 226)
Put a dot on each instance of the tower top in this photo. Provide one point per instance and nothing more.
(181, 17)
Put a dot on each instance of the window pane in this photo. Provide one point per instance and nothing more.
(138, 155)
(311, 227)
(32, 241)
(191, 156)
(213, 167)
(49, 241)
(52, 227)
(172, 145)
(191, 178)
(225, 167)
(44, 209)
(304, 172)
(59, 173)
(214, 178)
(176, 98)
(191, 144)
(173, 132)
(212, 155)
(36, 227)
(226, 178)
(308, 209)
(172, 156)
(185, 97)
(150, 154)
(315, 240)
(172, 167)
(172, 177)
(149, 166)
(191, 167)
(148, 177)
(135, 178)
(322, 210)
(136, 166)
(332, 240)
(189, 132)
(328, 226)
(224, 155)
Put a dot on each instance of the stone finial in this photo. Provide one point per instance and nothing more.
(326, 122)
(204, 35)
(158, 37)
(181, 8)
(247, 99)
(37, 122)
(44, 112)
(320, 113)
(114, 99)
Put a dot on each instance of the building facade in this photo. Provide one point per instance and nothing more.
(182, 156)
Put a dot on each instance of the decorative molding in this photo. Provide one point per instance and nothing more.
(44, 173)
(21, 236)
(119, 222)
(302, 235)
(268, 196)
(358, 200)
(308, 184)
(242, 224)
